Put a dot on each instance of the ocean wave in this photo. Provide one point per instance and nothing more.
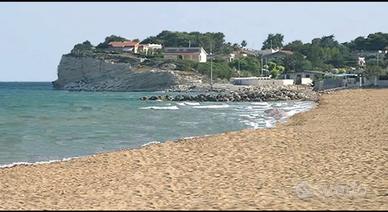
(253, 124)
(160, 108)
(261, 103)
(150, 143)
(269, 124)
(211, 106)
(187, 103)
(192, 103)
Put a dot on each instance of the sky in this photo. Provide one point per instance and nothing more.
(34, 36)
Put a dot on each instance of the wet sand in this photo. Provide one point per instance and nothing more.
(332, 157)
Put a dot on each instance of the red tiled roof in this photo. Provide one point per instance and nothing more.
(123, 44)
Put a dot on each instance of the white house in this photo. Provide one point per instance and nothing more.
(197, 54)
(145, 48)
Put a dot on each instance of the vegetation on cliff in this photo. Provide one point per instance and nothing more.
(321, 54)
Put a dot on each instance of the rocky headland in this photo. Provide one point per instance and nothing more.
(120, 73)
(106, 71)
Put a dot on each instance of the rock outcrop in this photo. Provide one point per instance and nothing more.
(248, 94)
(85, 73)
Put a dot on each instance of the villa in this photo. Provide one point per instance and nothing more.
(149, 47)
(125, 46)
(197, 54)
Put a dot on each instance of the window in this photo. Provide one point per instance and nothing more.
(307, 75)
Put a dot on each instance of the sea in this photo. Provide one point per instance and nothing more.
(40, 124)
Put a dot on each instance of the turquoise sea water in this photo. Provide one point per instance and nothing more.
(38, 123)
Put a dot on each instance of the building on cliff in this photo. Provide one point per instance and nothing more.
(277, 55)
(197, 54)
(149, 48)
(126, 46)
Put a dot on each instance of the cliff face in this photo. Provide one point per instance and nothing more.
(92, 74)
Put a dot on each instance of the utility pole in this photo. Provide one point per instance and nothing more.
(239, 65)
(211, 68)
(189, 43)
(261, 64)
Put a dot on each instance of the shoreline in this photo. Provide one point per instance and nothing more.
(335, 144)
(151, 143)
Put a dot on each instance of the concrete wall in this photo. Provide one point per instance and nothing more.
(288, 81)
(331, 83)
(194, 57)
(258, 82)
(328, 84)
(382, 83)
(202, 57)
(371, 82)
(306, 81)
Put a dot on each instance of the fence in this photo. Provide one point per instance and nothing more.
(332, 83)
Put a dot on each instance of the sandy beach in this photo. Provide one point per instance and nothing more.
(332, 157)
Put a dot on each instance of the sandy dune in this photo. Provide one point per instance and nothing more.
(332, 157)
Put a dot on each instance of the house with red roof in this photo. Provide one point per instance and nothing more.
(126, 46)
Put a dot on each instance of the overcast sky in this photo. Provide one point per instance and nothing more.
(35, 35)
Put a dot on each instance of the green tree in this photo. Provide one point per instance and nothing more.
(273, 41)
(275, 69)
(250, 64)
(295, 62)
(196, 39)
(373, 70)
(220, 70)
(235, 47)
(296, 45)
(373, 42)
(109, 39)
(82, 48)
(244, 43)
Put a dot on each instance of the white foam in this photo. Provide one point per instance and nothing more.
(292, 112)
(160, 108)
(260, 103)
(150, 143)
(290, 108)
(253, 124)
(34, 163)
(269, 124)
(191, 103)
(187, 103)
(211, 106)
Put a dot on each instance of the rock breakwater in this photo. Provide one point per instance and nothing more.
(246, 94)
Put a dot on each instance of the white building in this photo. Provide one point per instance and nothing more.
(197, 54)
(145, 48)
